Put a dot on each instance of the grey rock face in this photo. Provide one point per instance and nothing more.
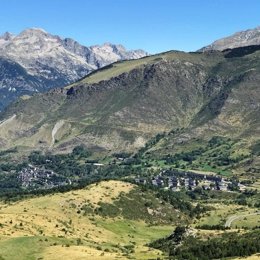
(49, 61)
(239, 39)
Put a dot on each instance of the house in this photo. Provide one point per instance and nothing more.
(222, 185)
(192, 184)
(157, 181)
(175, 188)
(241, 187)
(140, 181)
(186, 183)
(172, 182)
(206, 187)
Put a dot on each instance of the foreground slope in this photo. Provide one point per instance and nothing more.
(80, 224)
(119, 220)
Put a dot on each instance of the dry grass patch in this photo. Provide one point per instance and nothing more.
(54, 223)
(107, 191)
(60, 214)
(78, 253)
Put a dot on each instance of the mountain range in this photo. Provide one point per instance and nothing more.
(122, 106)
(35, 61)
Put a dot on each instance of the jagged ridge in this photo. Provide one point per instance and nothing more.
(52, 61)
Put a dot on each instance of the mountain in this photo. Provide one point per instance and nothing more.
(183, 126)
(48, 61)
(239, 39)
(120, 107)
(15, 81)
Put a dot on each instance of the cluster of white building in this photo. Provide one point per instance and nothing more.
(189, 180)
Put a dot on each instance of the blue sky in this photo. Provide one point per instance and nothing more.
(153, 25)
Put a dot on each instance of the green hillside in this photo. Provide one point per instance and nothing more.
(81, 224)
(122, 106)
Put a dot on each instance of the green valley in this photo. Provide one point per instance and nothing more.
(155, 158)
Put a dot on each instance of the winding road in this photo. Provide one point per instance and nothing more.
(235, 217)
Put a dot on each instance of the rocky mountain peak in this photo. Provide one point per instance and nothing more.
(238, 39)
(32, 35)
(114, 46)
(34, 30)
(7, 36)
(54, 61)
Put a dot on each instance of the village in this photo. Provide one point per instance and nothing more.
(179, 180)
(33, 177)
